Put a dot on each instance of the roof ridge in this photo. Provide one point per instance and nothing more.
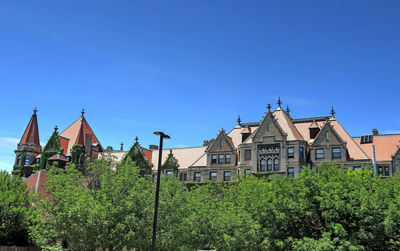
(379, 135)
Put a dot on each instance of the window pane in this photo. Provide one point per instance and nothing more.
(336, 152)
(213, 159)
(169, 172)
(269, 165)
(319, 153)
(213, 175)
(262, 165)
(290, 172)
(276, 165)
(227, 158)
(290, 152)
(27, 160)
(227, 176)
(247, 172)
(197, 177)
(386, 171)
(221, 159)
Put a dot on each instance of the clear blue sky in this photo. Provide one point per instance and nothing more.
(191, 67)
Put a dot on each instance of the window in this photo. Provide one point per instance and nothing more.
(290, 172)
(269, 165)
(327, 135)
(355, 168)
(183, 176)
(221, 143)
(380, 171)
(227, 176)
(262, 165)
(290, 152)
(247, 154)
(197, 176)
(319, 153)
(366, 139)
(276, 165)
(301, 153)
(267, 127)
(247, 171)
(213, 159)
(386, 171)
(221, 158)
(168, 172)
(213, 175)
(227, 158)
(27, 157)
(336, 152)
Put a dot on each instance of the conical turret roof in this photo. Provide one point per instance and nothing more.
(31, 134)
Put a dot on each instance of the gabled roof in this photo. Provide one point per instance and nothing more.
(31, 134)
(222, 135)
(354, 150)
(285, 121)
(385, 146)
(275, 121)
(58, 157)
(36, 183)
(327, 124)
(76, 132)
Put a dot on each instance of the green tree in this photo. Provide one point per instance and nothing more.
(52, 147)
(16, 211)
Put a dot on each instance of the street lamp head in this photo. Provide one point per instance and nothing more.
(165, 136)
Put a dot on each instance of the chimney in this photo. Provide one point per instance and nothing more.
(122, 147)
(375, 132)
(153, 147)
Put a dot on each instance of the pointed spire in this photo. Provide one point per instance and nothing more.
(269, 107)
(279, 102)
(333, 112)
(31, 134)
(238, 120)
(287, 110)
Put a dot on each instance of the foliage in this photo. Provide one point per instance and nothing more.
(112, 207)
(52, 147)
(78, 157)
(19, 168)
(16, 213)
(137, 156)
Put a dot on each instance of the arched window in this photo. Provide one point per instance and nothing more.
(262, 165)
(269, 165)
(276, 165)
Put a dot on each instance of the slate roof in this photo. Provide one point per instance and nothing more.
(385, 146)
(31, 134)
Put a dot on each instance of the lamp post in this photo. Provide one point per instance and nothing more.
(162, 136)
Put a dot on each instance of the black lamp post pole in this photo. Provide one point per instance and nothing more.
(162, 136)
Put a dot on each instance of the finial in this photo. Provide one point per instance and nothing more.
(136, 139)
(287, 110)
(35, 110)
(83, 111)
(55, 128)
(279, 102)
(269, 107)
(122, 147)
(333, 112)
(238, 120)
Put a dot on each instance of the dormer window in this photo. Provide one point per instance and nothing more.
(366, 139)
